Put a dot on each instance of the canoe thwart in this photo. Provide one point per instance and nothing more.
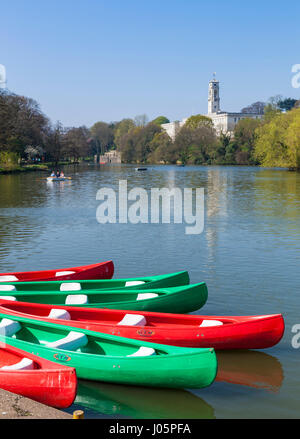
(206, 323)
(71, 342)
(8, 278)
(24, 364)
(143, 296)
(59, 314)
(71, 286)
(63, 273)
(7, 288)
(133, 320)
(143, 352)
(77, 299)
(9, 327)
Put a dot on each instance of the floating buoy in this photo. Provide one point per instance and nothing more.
(78, 414)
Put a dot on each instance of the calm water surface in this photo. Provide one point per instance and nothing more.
(248, 254)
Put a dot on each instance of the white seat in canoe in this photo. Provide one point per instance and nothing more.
(13, 298)
(71, 342)
(76, 299)
(132, 283)
(24, 364)
(210, 323)
(9, 327)
(8, 278)
(59, 314)
(71, 286)
(133, 320)
(143, 352)
(143, 296)
(63, 273)
(7, 288)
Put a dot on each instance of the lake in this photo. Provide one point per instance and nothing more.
(248, 254)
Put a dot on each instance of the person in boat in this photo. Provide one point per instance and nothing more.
(62, 174)
(52, 174)
(57, 174)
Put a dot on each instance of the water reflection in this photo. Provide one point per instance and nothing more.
(246, 368)
(141, 402)
(250, 368)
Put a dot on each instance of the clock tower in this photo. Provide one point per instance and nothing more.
(213, 96)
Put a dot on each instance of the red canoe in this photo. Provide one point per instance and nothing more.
(33, 377)
(220, 332)
(103, 270)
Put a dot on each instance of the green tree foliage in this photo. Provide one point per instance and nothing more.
(278, 141)
(244, 141)
(287, 104)
(54, 143)
(160, 147)
(121, 129)
(197, 121)
(102, 135)
(21, 123)
(160, 120)
(75, 143)
(196, 145)
(136, 144)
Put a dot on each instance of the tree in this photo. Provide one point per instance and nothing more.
(141, 120)
(22, 123)
(160, 120)
(287, 104)
(121, 129)
(54, 142)
(197, 145)
(102, 135)
(244, 140)
(255, 108)
(75, 143)
(160, 147)
(198, 120)
(278, 141)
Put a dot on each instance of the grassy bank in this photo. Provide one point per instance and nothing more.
(26, 168)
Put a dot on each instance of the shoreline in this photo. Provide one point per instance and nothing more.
(20, 169)
(13, 406)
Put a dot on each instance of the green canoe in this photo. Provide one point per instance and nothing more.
(110, 358)
(137, 283)
(182, 299)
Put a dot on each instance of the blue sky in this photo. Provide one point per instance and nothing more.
(92, 60)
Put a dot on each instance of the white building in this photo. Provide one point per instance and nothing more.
(223, 121)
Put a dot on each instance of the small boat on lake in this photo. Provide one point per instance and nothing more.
(141, 169)
(58, 178)
(109, 358)
(219, 332)
(102, 270)
(44, 381)
(182, 299)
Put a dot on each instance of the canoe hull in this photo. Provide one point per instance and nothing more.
(184, 299)
(199, 369)
(102, 270)
(237, 332)
(112, 359)
(95, 283)
(49, 383)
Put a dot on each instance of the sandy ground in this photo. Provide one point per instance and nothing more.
(14, 406)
